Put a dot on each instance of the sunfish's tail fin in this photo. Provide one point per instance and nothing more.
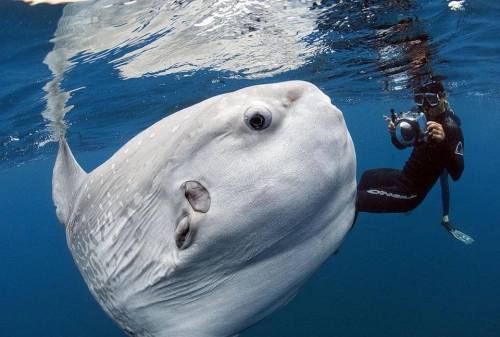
(67, 178)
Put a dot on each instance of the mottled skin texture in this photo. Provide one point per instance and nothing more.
(281, 201)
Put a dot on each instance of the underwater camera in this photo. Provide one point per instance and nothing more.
(411, 127)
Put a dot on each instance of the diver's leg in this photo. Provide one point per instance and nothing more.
(377, 177)
(386, 190)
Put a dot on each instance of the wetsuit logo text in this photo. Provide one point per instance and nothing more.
(392, 195)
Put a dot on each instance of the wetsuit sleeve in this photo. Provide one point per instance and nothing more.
(455, 144)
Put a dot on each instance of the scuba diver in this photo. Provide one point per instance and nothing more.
(433, 130)
(403, 56)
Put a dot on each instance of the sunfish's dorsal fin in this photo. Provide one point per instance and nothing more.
(67, 178)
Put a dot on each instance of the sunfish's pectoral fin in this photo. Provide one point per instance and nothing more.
(67, 178)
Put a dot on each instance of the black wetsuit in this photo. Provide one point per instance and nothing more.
(390, 190)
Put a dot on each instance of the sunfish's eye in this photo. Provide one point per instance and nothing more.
(258, 118)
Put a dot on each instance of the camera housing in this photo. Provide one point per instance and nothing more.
(410, 127)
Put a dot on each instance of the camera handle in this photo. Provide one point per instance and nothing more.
(394, 116)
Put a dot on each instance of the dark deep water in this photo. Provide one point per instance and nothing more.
(395, 275)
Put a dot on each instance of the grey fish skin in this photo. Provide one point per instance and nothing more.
(212, 218)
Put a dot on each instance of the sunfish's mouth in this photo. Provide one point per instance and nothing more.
(199, 199)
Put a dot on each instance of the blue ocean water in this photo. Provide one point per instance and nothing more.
(395, 275)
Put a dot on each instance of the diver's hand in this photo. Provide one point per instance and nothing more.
(391, 127)
(435, 132)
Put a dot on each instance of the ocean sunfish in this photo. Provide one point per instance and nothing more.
(212, 218)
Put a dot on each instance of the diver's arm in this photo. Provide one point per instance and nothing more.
(455, 144)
